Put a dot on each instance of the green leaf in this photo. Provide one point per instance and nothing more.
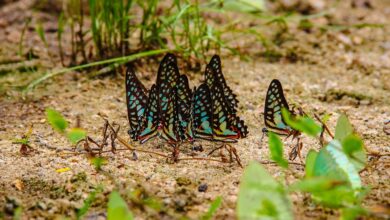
(335, 197)
(40, 32)
(343, 128)
(276, 149)
(98, 162)
(56, 120)
(325, 118)
(303, 124)
(21, 141)
(332, 162)
(310, 162)
(76, 134)
(88, 202)
(352, 144)
(262, 197)
(353, 147)
(352, 213)
(213, 209)
(247, 6)
(117, 208)
(315, 184)
(17, 213)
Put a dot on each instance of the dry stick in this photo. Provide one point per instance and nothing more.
(324, 125)
(122, 141)
(201, 158)
(86, 152)
(237, 157)
(274, 163)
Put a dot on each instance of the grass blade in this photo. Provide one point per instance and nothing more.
(80, 67)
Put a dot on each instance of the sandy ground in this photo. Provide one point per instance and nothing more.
(340, 75)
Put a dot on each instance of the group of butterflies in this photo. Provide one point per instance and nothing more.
(174, 112)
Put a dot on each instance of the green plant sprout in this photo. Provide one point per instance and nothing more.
(262, 197)
(89, 201)
(58, 123)
(212, 209)
(332, 172)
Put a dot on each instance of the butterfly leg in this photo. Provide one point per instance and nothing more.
(215, 149)
(296, 151)
(229, 149)
(300, 146)
(175, 153)
(233, 151)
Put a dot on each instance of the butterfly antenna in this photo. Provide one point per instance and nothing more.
(263, 131)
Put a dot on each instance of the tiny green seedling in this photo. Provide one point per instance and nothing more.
(58, 123)
(88, 202)
(332, 172)
(25, 147)
(214, 206)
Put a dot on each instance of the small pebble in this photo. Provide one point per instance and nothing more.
(203, 187)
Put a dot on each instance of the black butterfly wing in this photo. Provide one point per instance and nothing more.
(169, 120)
(184, 95)
(167, 78)
(223, 118)
(202, 117)
(136, 99)
(168, 73)
(151, 121)
(214, 73)
(274, 103)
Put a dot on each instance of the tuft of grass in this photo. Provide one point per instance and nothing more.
(118, 60)
(110, 27)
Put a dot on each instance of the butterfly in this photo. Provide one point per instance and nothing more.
(151, 121)
(227, 126)
(167, 77)
(169, 102)
(214, 73)
(136, 98)
(274, 103)
(202, 117)
(273, 119)
(169, 126)
(184, 95)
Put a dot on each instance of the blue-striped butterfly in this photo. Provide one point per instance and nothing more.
(184, 95)
(169, 126)
(273, 119)
(201, 118)
(227, 125)
(136, 98)
(151, 120)
(214, 73)
(274, 103)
